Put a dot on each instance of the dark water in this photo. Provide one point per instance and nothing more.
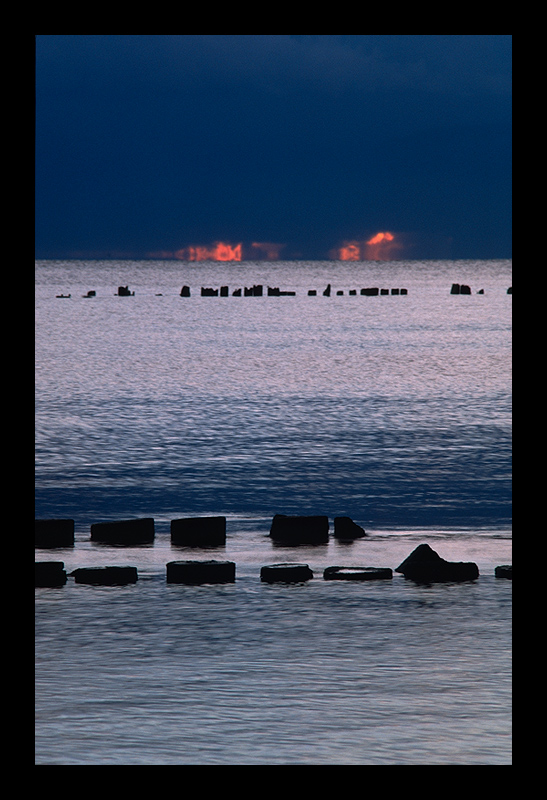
(393, 410)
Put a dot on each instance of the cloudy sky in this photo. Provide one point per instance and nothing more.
(151, 145)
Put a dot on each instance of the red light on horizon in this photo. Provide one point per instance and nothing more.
(220, 251)
(379, 247)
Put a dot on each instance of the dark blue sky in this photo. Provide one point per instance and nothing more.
(149, 144)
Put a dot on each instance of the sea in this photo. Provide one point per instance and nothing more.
(393, 409)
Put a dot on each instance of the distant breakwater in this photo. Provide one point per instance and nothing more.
(423, 565)
(257, 290)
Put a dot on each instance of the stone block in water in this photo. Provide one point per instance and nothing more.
(357, 573)
(53, 533)
(346, 528)
(105, 576)
(286, 573)
(424, 565)
(49, 573)
(198, 531)
(300, 529)
(198, 572)
(504, 571)
(124, 532)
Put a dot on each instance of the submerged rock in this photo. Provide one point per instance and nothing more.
(504, 571)
(286, 573)
(197, 572)
(198, 531)
(424, 565)
(105, 576)
(124, 532)
(346, 528)
(300, 529)
(357, 573)
(49, 573)
(53, 533)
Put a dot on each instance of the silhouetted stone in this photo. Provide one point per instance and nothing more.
(64, 296)
(185, 291)
(196, 572)
(404, 291)
(455, 288)
(384, 291)
(198, 531)
(49, 573)
(105, 576)
(395, 291)
(224, 291)
(123, 291)
(285, 573)
(339, 293)
(352, 291)
(91, 293)
(481, 291)
(357, 573)
(510, 290)
(464, 289)
(371, 291)
(53, 533)
(300, 529)
(206, 291)
(124, 532)
(346, 528)
(326, 293)
(504, 571)
(312, 293)
(236, 293)
(424, 565)
(273, 291)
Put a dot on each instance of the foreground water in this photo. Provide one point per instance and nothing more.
(393, 410)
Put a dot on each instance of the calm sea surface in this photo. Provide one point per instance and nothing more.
(394, 410)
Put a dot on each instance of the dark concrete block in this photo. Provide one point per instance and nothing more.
(105, 576)
(49, 573)
(50, 533)
(124, 532)
(300, 529)
(198, 531)
(198, 572)
(286, 573)
(357, 573)
(424, 565)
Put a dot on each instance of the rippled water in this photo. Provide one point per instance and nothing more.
(393, 410)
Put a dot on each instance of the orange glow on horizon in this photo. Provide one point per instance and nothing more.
(379, 247)
(220, 251)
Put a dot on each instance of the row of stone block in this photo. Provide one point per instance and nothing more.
(193, 531)
(423, 565)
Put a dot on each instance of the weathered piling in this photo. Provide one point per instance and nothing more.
(105, 576)
(286, 573)
(198, 531)
(50, 533)
(124, 532)
(424, 565)
(300, 529)
(49, 573)
(198, 572)
(357, 573)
